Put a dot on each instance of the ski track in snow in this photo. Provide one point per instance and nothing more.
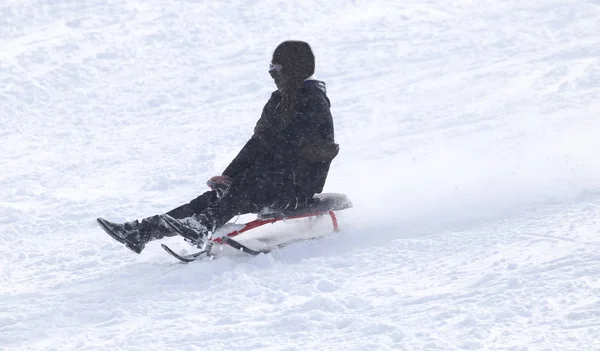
(469, 134)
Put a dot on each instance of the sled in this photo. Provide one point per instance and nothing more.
(322, 205)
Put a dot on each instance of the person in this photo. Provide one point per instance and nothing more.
(281, 167)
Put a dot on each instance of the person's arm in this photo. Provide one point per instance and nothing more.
(316, 143)
(320, 146)
(254, 146)
(244, 158)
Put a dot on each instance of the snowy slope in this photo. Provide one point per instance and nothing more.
(469, 134)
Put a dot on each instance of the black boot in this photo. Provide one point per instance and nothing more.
(135, 234)
(191, 228)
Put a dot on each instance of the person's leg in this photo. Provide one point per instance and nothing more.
(136, 234)
(154, 228)
(249, 192)
(195, 206)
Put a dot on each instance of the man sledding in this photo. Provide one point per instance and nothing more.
(283, 165)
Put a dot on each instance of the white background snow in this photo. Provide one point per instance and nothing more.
(469, 132)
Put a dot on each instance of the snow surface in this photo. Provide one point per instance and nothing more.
(469, 135)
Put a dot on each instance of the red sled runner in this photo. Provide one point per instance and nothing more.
(322, 205)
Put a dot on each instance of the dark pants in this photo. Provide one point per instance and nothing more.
(249, 192)
(195, 206)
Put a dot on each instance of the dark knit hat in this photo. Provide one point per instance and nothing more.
(296, 57)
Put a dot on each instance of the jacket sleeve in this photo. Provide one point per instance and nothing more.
(244, 159)
(317, 148)
(253, 147)
(318, 144)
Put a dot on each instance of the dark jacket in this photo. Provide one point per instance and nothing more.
(293, 137)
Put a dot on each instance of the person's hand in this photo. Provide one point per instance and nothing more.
(219, 184)
(222, 179)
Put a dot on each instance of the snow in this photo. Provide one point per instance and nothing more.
(469, 137)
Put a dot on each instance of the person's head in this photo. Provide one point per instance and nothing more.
(293, 62)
